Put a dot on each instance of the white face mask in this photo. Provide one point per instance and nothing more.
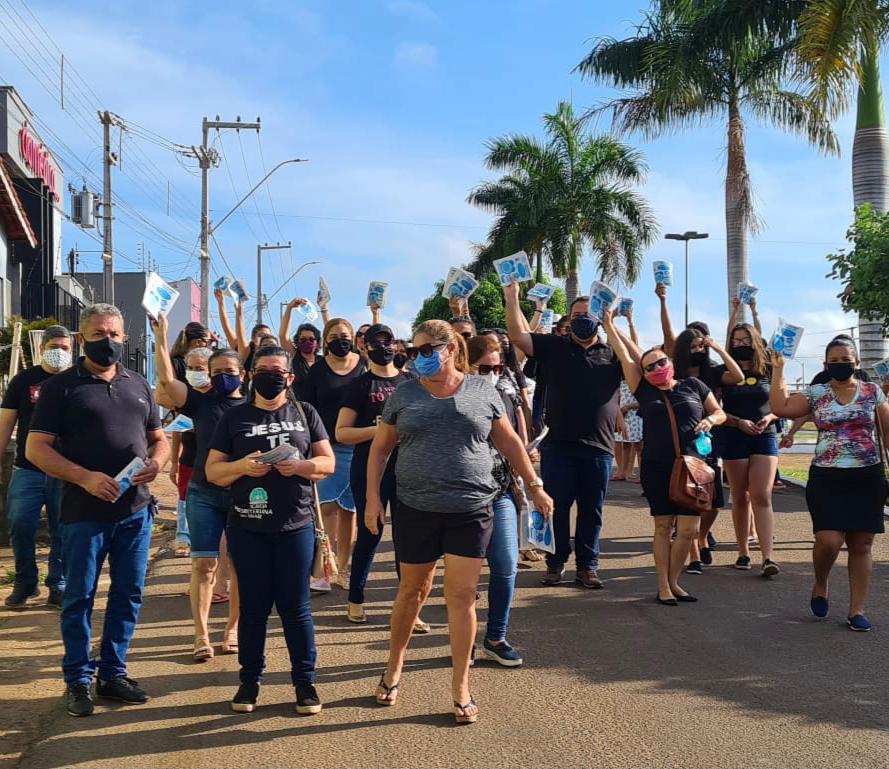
(57, 358)
(197, 379)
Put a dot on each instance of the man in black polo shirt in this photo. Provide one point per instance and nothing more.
(90, 423)
(582, 381)
(30, 488)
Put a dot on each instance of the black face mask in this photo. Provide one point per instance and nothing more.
(399, 360)
(742, 353)
(103, 352)
(339, 347)
(698, 358)
(382, 356)
(841, 372)
(269, 384)
(584, 327)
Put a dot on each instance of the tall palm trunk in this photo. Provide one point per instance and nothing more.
(737, 204)
(870, 180)
(572, 281)
(538, 258)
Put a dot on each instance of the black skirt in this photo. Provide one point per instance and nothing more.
(655, 478)
(848, 499)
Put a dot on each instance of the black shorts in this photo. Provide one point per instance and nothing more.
(655, 479)
(848, 499)
(423, 537)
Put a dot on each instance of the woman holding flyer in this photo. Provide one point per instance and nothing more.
(748, 444)
(206, 505)
(673, 410)
(503, 550)
(326, 387)
(691, 357)
(846, 490)
(304, 346)
(441, 424)
(271, 534)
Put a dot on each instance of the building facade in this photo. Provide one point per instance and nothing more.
(31, 215)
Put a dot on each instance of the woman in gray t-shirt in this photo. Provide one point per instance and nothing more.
(441, 424)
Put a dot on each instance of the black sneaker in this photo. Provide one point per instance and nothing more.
(743, 563)
(712, 541)
(307, 700)
(122, 689)
(707, 556)
(79, 700)
(245, 700)
(769, 568)
(694, 567)
(54, 601)
(20, 595)
(472, 657)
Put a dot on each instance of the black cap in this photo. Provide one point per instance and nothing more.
(376, 329)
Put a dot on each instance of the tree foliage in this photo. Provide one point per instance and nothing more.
(864, 269)
(568, 194)
(485, 305)
(6, 340)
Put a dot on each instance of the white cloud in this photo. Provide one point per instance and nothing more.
(415, 56)
(414, 10)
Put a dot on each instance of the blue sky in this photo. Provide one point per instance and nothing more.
(391, 101)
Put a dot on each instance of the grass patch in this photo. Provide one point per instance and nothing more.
(797, 473)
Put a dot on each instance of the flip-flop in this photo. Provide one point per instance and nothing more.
(229, 646)
(389, 692)
(421, 628)
(465, 719)
(203, 652)
(358, 619)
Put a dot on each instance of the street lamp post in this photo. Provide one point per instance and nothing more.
(686, 236)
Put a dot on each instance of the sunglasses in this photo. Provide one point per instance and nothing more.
(424, 349)
(659, 363)
(359, 334)
(467, 335)
(484, 368)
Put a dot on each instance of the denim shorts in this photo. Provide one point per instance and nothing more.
(206, 509)
(733, 444)
(336, 487)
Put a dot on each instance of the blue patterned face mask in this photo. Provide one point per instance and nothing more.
(428, 365)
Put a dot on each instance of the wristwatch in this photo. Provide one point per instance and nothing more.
(537, 483)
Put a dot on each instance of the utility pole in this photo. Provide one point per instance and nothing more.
(208, 158)
(108, 159)
(260, 301)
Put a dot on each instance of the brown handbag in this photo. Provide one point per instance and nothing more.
(323, 563)
(692, 479)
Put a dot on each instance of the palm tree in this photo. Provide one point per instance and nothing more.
(840, 42)
(686, 65)
(568, 194)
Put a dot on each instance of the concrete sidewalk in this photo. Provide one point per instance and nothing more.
(743, 678)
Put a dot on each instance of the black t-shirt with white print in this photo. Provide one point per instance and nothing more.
(366, 396)
(273, 502)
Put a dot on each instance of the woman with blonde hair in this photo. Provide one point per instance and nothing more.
(326, 386)
(441, 424)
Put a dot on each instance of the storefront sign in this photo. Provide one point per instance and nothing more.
(36, 157)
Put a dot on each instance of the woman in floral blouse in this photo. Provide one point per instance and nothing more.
(847, 481)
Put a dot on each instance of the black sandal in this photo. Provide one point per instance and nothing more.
(465, 719)
(387, 699)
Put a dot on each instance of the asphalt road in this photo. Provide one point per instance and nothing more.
(744, 678)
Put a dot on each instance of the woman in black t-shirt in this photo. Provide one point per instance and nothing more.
(325, 388)
(691, 358)
(651, 380)
(749, 445)
(356, 426)
(271, 536)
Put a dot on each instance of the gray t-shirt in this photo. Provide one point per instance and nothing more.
(444, 460)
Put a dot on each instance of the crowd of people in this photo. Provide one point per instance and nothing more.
(304, 438)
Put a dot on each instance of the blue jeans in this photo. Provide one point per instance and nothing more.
(273, 568)
(207, 511)
(84, 549)
(30, 490)
(182, 535)
(366, 543)
(503, 559)
(574, 472)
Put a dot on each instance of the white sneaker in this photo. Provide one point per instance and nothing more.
(319, 585)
